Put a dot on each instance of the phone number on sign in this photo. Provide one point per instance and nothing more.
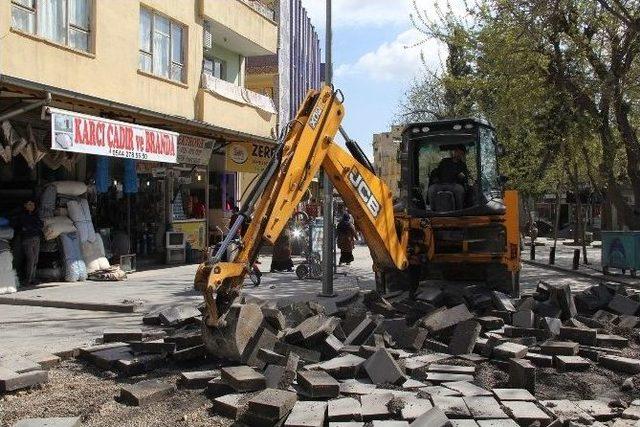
(128, 154)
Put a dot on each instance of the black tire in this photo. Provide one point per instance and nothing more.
(302, 271)
(255, 276)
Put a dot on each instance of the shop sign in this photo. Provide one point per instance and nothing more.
(194, 151)
(194, 232)
(81, 133)
(248, 156)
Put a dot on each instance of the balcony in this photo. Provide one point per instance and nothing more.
(241, 26)
(262, 8)
(234, 107)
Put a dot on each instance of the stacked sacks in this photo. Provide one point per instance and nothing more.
(57, 225)
(75, 269)
(66, 215)
(8, 277)
(93, 255)
(81, 215)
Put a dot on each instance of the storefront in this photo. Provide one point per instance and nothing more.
(154, 195)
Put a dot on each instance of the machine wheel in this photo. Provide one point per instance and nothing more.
(302, 271)
(255, 276)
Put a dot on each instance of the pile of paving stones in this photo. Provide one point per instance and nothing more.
(391, 360)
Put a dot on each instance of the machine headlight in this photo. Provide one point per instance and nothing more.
(297, 233)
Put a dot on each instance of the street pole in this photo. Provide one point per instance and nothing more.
(327, 214)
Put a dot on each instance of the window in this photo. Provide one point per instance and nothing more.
(216, 67)
(62, 21)
(161, 46)
(488, 161)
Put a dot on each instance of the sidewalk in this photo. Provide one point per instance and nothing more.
(30, 328)
(564, 262)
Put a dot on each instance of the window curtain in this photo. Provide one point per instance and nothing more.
(52, 20)
(161, 45)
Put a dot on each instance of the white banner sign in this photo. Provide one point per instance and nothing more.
(193, 150)
(81, 133)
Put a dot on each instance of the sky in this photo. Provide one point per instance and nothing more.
(376, 56)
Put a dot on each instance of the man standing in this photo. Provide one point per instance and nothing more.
(31, 228)
(452, 175)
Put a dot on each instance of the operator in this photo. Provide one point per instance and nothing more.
(452, 175)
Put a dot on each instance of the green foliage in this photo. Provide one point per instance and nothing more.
(558, 81)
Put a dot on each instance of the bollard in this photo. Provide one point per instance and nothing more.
(533, 250)
(576, 258)
(552, 256)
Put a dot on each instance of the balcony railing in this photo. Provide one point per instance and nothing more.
(237, 93)
(261, 8)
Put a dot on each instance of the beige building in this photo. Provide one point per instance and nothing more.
(171, 65)
(385, 157)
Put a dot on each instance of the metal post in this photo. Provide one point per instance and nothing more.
(533, 250)
(576, 259)
(327, 214)
(552, 255)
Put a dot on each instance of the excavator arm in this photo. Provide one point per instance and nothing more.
(307, 146)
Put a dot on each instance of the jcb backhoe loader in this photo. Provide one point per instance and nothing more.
(467, 229)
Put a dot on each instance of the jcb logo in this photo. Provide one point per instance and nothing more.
(364, 192)
(315, 117)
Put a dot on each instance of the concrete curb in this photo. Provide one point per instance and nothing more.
(74, 305)
(581, 273)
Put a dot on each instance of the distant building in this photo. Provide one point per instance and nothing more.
(287, 76)
(385, 157)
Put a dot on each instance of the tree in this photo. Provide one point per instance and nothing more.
(559, 80)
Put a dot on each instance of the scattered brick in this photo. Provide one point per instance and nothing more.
(361, 333)
(623, 364)
(216, 388)
(484, 407)
(343, 367)
(345, 409)
(490, 323)
(374, 406)
(597, 409)
(540, 360)
(519, 394)
(11, 381)
(178, 315)
(452, 406)
(526, 413)
(145, 392)
(230, 405)
(565, 411)
(624, 305)
(467, 389)
(559, 348)
(49, 422)
(509, 350)
(434, 417)
(562, 295)
(153, 347)
(356, 387)
(243, 378)
(522, 374)
(441, 377)
(307, 414)
(464, 337)
(606, 340)
(413, 407)
(318, 384)
(571, 363)
(383, 369)
(271, 404)
(523, 318)
(579, 335)
(452, 369)
(443, 319)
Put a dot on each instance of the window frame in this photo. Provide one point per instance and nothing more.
(173, 23)
(69, 26)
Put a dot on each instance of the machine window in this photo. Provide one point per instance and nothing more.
(447, 173)
(488, 160)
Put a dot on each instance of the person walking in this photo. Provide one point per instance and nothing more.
(31, 228)
(281, 260)
(346, 234)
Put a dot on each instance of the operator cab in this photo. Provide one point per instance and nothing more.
(451, 168)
